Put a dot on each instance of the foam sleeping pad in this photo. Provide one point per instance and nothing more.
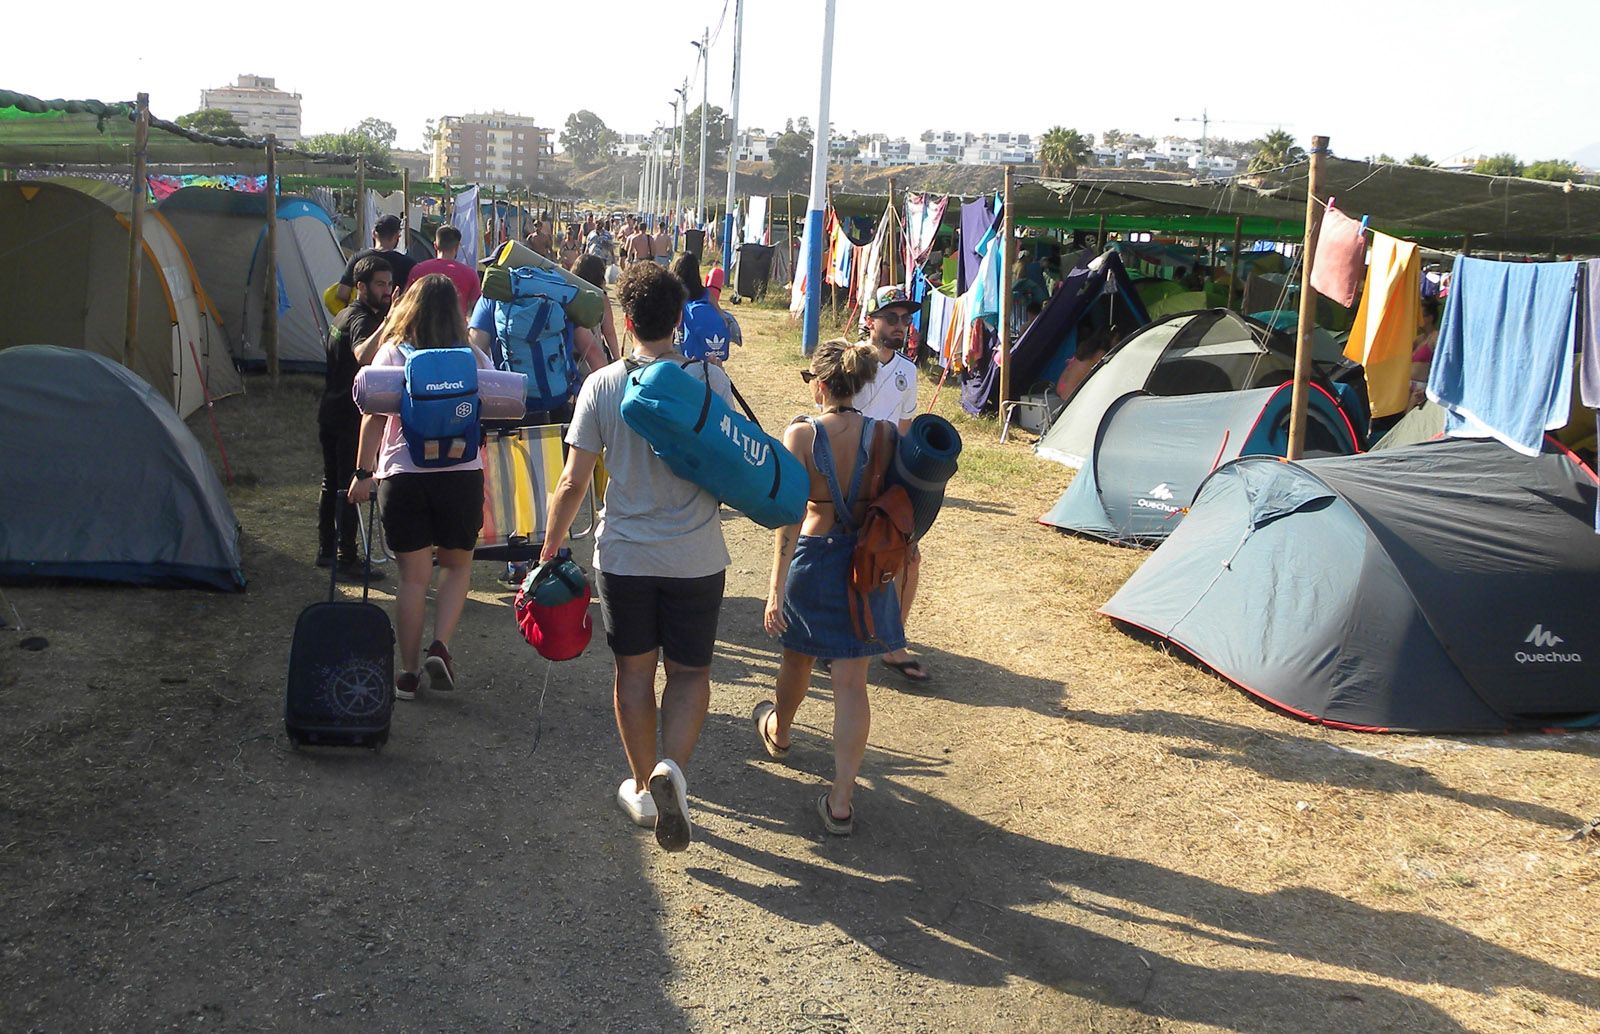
(924, 462)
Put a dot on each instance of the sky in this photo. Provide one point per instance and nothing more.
(1396, 77)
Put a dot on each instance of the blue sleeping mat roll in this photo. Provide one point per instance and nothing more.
(705, 441)
(923, 464)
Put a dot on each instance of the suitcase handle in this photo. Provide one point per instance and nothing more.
(340, 501)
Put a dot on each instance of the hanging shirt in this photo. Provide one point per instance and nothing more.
(1337, 268)
(1503, 365)
(1385, 326)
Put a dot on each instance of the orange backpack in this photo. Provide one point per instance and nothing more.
(883, 540)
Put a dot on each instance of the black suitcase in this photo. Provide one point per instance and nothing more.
(341, 669)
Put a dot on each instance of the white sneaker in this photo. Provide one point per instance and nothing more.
(637, 803)
(671, 794)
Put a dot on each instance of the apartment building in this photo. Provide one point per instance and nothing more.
(492, 148)
(256, 103)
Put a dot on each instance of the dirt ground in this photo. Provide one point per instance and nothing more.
(1067, 831)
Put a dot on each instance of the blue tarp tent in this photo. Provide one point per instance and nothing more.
(1152, 452)
(1441, 587)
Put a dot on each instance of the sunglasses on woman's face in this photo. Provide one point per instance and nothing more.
(808, 375)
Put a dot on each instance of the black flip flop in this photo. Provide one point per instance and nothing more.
(835, 827)
(768, 744)
(903, 667)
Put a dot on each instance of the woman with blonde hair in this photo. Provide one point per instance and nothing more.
(808, 598)
(426, 509)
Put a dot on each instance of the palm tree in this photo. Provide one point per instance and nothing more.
(1422, 161)
(1275, 150)
(1062, 150)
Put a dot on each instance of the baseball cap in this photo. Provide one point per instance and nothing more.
(888, 297)
(386, 226)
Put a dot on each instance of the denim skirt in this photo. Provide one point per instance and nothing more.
(816, 603)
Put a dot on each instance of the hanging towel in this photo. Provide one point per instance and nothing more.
(1386, 324)
(1503, 366)
(1589, 320)
(755, 225)
(465, 219)
(976, 218)
(1337, 268)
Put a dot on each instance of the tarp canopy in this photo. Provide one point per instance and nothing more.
(1442, 587)
(1433, 206)
(89, 132)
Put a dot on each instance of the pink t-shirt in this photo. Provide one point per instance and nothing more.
(394, 457)
(462, 276)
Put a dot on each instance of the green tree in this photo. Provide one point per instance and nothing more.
(1552, 169)
(1062, 150)
(1385, 159)
(212, 122)
(1422, 161)
(791, 158)
(1502, 164)
(378, 131)
(1114, 139)
(351, 144)
(716, 137)
(1275, 150)
(586, 138)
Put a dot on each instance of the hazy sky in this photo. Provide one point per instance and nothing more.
(1399, 76)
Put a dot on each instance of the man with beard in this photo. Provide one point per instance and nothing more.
(892, 395)
(352, 341)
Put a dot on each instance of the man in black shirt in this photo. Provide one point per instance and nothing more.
(352, 342)
(386, 245)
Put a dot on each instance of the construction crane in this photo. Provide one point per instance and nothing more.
(1205, 121)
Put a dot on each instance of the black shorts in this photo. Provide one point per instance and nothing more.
(441, 508)
(678, 615)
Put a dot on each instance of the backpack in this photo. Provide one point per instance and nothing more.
(534, 337)
(705, 332)
(883, 539)
(439, 407)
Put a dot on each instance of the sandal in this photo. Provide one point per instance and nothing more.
(770, 745)
(835, 827)
(904, 668)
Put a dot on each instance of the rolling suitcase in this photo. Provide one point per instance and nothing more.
(341, 669)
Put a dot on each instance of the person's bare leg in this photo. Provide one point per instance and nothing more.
(852, 721)
(634, 695)
(794, 681)
(906, 586)
(410, 599)
(455, 566)
(683, 710)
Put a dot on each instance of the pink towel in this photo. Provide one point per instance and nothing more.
(1339, 265)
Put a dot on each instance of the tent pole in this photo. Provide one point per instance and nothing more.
(1008, 255)
(269, 309)
(1234, 270)
(141, 134)
(1308, 303)
(363, 231)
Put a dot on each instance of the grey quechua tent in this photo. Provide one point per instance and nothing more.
(102, 481)
(1441, 587)
(1152, 452)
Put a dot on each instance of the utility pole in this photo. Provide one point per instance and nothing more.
(733, 141)
(704, 43)
(683, 124)
(816, 206)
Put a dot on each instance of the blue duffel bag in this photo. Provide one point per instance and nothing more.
(707, 443)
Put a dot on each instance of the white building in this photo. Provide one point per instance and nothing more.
(1214, 165)
(256, 103)
(1177, 149)
(754, 145)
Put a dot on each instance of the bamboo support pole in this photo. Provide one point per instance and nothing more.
(1308, 302)
(141, 135)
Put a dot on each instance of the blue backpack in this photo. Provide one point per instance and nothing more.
(534, 337)
(705, 332)
(439, 408)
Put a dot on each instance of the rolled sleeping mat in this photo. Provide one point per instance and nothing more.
(587, 309)
(501, 394)
(330, 300)
(924, 462)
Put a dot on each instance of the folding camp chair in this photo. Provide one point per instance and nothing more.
(521, 467)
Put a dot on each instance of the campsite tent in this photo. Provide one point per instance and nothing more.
(63, 277)
(1442, 587)
(1191, 353)
(1151, 454)
(226, 234)
(90, 445)
(1096, 296)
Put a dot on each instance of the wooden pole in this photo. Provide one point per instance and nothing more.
(1101, 241)
(788, 227)
(889, 215)
(269, 310)
(1234, 270)
(363, 231)
(405, 208)
(1308, 302)
(1008, 257)
(141, 134)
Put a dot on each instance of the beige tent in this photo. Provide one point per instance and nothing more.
(63, 281)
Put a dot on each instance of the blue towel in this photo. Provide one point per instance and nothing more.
(1589, 320)
(1503, 366)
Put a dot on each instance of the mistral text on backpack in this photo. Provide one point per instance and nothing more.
(440, 406)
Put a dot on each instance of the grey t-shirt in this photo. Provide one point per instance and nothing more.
(652, 522)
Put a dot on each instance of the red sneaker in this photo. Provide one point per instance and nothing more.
(440, 668)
